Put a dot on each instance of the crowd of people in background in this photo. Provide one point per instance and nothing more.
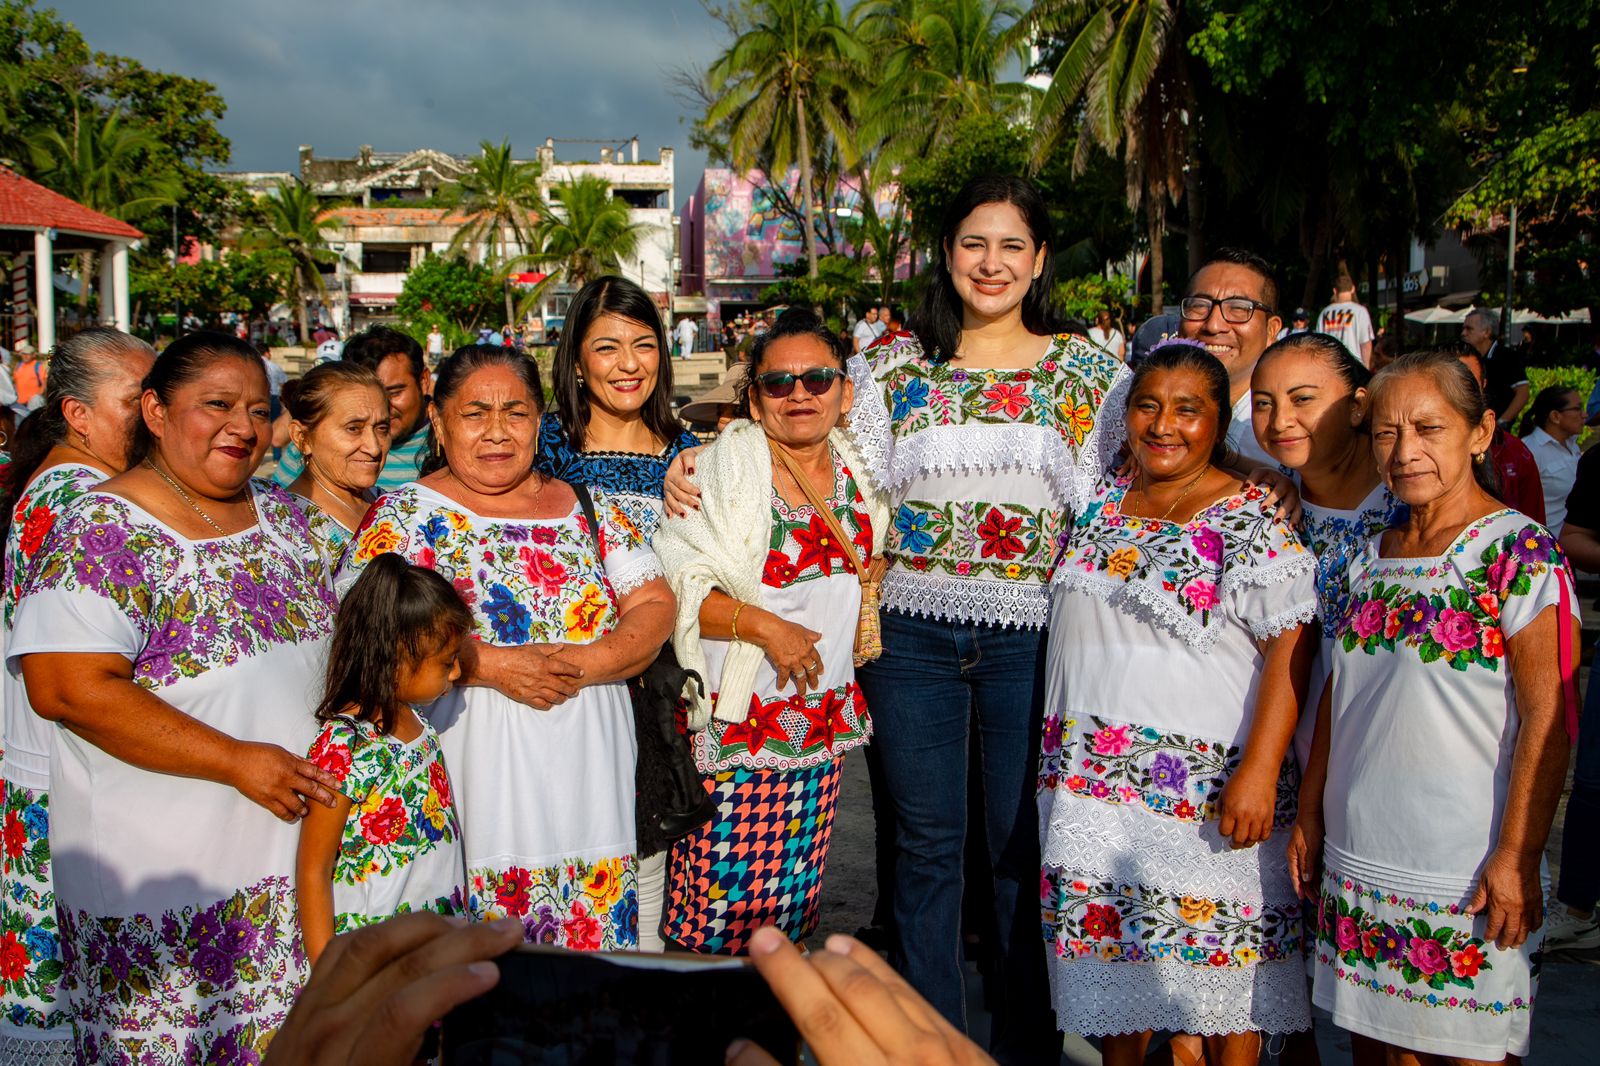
(1231, 672)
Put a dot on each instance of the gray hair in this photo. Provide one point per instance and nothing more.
(1485, 318)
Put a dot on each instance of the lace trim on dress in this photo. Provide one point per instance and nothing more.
(1097, 997)
(868, 422)
(965, 599)
(1267, 628)
(52, 1048)
(1100, 840)
(635, 576)
(1110, 433)
(1138, 599)
(985, 448)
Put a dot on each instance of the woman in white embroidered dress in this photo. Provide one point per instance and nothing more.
(539, 733)
(984, 426)
(78, 439)
(1308, 402)
(768, 604)
(159, 611)
(339, 420)
(1178, 653)
(1440, 753)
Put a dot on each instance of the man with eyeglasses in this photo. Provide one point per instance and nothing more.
(1231, 308)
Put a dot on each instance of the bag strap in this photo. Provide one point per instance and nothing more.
(830, 519)
(586, 501)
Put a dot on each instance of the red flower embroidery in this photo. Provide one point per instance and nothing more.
(16, 835)
(439, 781)
(332, 756)
(383, 826)
(817, 547)
(1100, 921)
(583, 931)
(512, 894)
(999, 535)
(13, 959)
(34, 529)
(759, 727)
(824, 722)
(780, 570)
(1010, 400)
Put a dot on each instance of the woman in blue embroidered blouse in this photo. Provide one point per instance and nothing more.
(613, 429)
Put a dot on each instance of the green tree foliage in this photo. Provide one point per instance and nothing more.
(1082, 297)
(590, 234)
(780, 86)
(294, 224)
(248, 284)
(839, 286)
(452, 292)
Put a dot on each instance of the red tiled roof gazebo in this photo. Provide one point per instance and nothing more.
(35, 220)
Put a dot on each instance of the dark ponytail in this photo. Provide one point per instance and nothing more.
(395, 616)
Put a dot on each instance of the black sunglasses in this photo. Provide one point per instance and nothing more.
(776, 384)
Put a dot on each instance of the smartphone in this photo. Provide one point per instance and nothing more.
(579, 1008)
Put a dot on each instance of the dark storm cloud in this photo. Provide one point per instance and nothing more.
(443, 74)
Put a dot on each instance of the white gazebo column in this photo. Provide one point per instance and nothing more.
(44, 289)
(108, 288)
(19, 300)
(119, 285)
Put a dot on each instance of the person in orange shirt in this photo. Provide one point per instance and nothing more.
(29, 377)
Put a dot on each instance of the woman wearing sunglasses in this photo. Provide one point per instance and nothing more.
(767, 572)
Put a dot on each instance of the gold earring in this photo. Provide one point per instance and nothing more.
(1478, 458)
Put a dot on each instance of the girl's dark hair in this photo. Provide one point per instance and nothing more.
(937, 320)
(1191, 355)
(1551, 399)
(394, 617)
(309, 398)
(1352, 371)
(610, 295)
(795, 322)
(462, 364)
(1455, 383)
(78, 368)
(180, 363)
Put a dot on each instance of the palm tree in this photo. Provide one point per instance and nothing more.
(592, 234)
(99, 163)
(293, 223)
(1121, 77)
(943, 61)
(787, 71)
(500, 199)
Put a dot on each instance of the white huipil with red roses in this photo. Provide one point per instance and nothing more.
(1154, 921)
(1424, 729)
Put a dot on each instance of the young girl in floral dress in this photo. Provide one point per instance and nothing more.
(392, 842)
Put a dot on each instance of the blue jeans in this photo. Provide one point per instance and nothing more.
(1580, 860)
(935, 681)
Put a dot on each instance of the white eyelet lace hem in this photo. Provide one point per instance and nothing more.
(635, 576)
(1118, 842)
(1099, 997)
(47, 1048)
(965, 599)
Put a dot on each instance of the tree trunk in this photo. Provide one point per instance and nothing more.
(1397, 322)
(1156, 209)
(1195, 192)
(300, 313)
(809, 229)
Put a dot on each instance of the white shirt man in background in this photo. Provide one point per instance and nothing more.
(866, 330)
(1348, 320)
(686, 336)
(435, 346)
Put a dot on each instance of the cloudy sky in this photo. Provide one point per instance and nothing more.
(402, 74)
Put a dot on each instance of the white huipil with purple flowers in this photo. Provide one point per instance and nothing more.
(1155, 656)
(1424, 729)
(175, 894)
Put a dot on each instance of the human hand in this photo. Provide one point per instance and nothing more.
(1510, 897)
(792, 650)
(281, 782)
(538, 675)
(1305, 854)
(679, 492)
(1246, 806)
(375, 992)
(851, 1008)
(1283, 495)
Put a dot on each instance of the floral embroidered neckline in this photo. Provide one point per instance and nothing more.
(258, 498)
(1222, 504)
(1470, 532)
(455, 505)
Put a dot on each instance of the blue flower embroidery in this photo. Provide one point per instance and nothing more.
(912, 527)
(912, 394)
(509, 619)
